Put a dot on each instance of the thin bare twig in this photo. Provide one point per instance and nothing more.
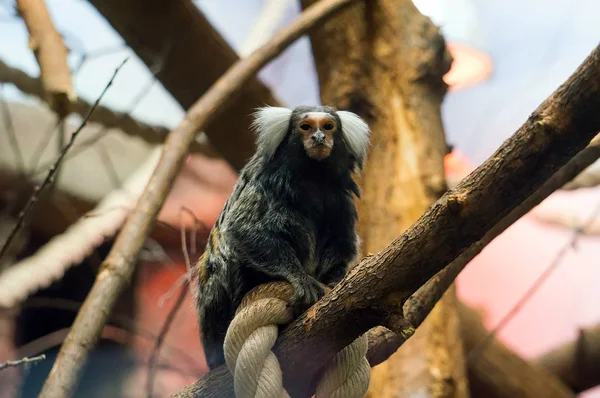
(118, 267)
(422, 302)
(161, 337)
(103, 115)
(121, 320)
(22, 361)
(170, 317)
(115, 333)
(534, 288)
(54, 169)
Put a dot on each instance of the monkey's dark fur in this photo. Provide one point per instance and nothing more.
(290, 217)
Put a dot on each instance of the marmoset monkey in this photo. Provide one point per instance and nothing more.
(291, 216)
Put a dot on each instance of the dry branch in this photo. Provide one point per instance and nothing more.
(51, 54)
(420, 304)
(103, 115)
(577, 362)
(81, 238)
(561, 127)
(53, 170)
(21, 362)
(498, 372)
(117, 269)
(186, 72)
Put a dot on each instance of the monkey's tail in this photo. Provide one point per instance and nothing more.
(215, 313)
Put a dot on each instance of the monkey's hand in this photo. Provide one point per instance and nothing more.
(307, 291)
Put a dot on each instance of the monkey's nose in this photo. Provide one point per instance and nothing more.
(318, 137)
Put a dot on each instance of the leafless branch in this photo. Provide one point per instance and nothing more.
(535, 286)
(54, 169)
(420, 304)
(51, 261)
(117, 269)
(171, 316)
(560, 128)
(22, 361)
(121, 320)
(500, 373)
(103, 115)
(51, 54)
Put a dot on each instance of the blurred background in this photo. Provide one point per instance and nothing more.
(509, 56)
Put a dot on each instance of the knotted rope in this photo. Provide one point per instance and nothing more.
(255, 369)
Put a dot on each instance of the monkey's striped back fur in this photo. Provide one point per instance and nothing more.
(291, 216)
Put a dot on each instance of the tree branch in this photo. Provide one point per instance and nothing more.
(561, 127)
(39, 189)
(117, 269)
(577, 362)
(500, 373)
(22, 361)
(103, 115)
(420, 304)
(185, 73)
(51, 54)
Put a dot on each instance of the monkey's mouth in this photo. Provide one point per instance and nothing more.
(319, 152)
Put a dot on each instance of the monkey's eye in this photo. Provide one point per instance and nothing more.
(328, 126)
(305, 127)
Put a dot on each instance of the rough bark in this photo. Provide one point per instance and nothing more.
(192, 55)
(497, 372)
(576, 363)
(117, 269)
(385, 61)
(554, 133)
(51, 54)
(560, 127)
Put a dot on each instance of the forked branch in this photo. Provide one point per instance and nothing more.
(555, 132)
(117, 269)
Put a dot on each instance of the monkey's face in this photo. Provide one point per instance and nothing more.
(317, 131)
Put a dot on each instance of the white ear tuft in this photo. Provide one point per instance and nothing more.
(356, 134)
(271, 125)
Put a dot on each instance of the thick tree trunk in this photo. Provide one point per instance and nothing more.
(497, 372)
(385, 61)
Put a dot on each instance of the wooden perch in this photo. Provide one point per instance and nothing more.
(419, 305)
(576, 363)
(51, 54)
(496, 372)
(117, 268)
(387, 59)
(103, 115)
(561, 127)
(194, 56)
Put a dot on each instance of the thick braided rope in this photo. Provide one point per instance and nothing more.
(256, 371)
